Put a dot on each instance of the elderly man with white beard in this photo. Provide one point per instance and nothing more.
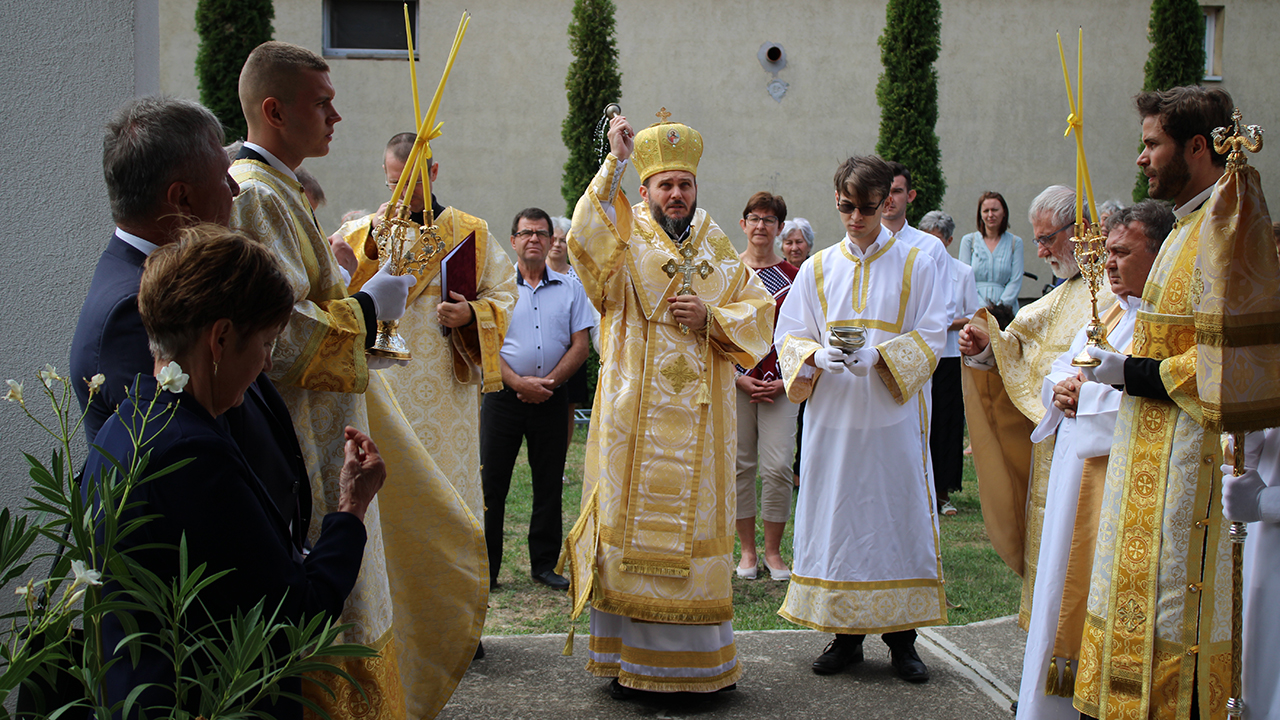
(1002, 380)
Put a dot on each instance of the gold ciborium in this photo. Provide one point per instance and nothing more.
(848, 338)
(403, 246)
(1089, 246)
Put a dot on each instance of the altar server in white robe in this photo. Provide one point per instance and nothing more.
(1254, 498)
(1082, 416)
(866, 540)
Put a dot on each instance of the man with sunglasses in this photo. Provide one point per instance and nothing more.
(1003, 374)
(866, 543)
(545, 344)
(455, 341)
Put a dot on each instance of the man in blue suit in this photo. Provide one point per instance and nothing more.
(165, 169)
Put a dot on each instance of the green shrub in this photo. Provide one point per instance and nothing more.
(592, 83)
(908, 97)
(229, 30)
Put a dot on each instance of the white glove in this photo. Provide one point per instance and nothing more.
(389, 293)
(1110, 372)
(861, 361)
(1242, 495)
(829, 359)
(381, 363)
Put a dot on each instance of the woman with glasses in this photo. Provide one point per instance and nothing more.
(766, 418)
(994, 253)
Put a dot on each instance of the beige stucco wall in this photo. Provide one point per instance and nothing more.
(1001, 98)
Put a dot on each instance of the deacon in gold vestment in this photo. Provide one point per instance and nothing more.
(1157, 635)
(651, 549)
(419, 598)
(1003, 406)
(439, 390)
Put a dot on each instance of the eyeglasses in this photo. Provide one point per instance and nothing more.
(392, 185)
(526, 234)
(1047, 240)
(847, 208)
(768, 220)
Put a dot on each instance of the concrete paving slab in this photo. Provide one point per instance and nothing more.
(525, 676)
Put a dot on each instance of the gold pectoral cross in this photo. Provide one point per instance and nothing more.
(687, 268)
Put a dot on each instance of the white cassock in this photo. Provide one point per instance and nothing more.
(866, 544)
(931, 246)
(1086, 435)
(1261, 661)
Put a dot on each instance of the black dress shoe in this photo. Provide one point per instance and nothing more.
(908, 664)
(479, 652)
(844, 651)
(552, 580)
(618, 691)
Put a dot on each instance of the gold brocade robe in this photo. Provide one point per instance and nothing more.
(439, 577)
(1013, 490)
(1159, 605)
(656, 531)
(439, 389)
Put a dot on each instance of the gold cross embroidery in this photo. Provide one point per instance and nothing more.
(662, 115)
(679, 373)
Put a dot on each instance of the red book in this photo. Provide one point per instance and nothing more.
(458, 272)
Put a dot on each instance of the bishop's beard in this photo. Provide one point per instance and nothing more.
(674, 227)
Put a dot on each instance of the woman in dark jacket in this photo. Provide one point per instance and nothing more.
(213, 305)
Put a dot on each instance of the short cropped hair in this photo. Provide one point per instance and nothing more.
(900, 169)
(993, 195)
(150, 143)
(401, 144)
(271, 70)
(1188, 111)
(862, 176)
(940, 221)
(310, 186)
(806, 230)
(211, 273)
(1156, 217)
(531, 213)
(768, 202)
(1058, 202)
(561, 223)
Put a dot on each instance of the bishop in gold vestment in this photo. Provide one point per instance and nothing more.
(651, 549)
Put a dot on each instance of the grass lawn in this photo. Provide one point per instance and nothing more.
(976, 578)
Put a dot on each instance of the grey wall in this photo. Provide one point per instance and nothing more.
(68, 65)
(1002, 103)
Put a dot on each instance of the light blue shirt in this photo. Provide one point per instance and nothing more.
(543, 323)
(999, 273)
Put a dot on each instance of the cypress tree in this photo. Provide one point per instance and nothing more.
(592, 83)
(908, 97)
(229, 30)
(1177, 57)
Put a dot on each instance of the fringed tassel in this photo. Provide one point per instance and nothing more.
(1068, 686)
(568, 643)
(1051, 682)
(704, 393)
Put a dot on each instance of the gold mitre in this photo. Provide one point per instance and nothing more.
(666, 146)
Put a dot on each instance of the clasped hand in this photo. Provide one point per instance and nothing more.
(761, 391)
(1066, 395)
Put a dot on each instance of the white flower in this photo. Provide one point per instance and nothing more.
(95, 382)
(48, 375)
(84, 575)
(172, 378)
(15, 391)
(22, 590)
